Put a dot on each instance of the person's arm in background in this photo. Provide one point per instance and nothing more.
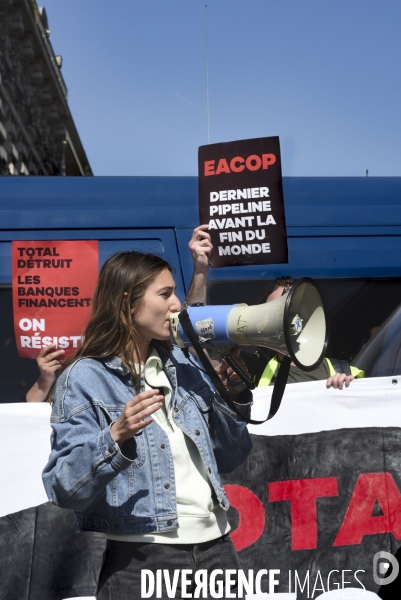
(48, 363)
(201, 249)
(338, 380)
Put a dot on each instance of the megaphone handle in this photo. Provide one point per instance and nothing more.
(279, 386)
(187, 326)
(249, 383)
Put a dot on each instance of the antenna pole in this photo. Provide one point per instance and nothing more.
(207, 77)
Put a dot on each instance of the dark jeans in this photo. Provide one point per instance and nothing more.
(120, 577)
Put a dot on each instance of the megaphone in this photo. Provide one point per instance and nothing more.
(295, 325)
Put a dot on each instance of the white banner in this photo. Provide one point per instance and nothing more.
(305, 408)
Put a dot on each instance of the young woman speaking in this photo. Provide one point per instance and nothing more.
(140, 435)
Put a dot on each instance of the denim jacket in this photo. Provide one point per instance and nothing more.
(132, 489)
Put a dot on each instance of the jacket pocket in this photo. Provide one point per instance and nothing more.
(201, 394)
(139, 450)
(133, 448)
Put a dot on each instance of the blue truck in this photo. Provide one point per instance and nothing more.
(344, 232)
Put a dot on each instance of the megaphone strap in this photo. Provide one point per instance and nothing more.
(279, 386)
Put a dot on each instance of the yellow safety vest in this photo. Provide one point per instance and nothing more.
(273, 364)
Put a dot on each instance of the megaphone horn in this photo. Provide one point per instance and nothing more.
(295, 325)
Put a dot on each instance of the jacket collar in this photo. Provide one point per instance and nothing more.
(116, 364)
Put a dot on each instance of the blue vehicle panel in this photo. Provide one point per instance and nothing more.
(110, 241)
(337, 227)
(346, 232)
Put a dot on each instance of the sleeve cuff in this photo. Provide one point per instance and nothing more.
(111, 450)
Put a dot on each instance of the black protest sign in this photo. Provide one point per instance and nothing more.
(241, 198)
(316, 506)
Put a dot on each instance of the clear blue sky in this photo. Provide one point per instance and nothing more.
(324, 75)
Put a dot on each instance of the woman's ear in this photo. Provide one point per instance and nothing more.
(124, 300)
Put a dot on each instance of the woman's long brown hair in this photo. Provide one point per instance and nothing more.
(111, 330)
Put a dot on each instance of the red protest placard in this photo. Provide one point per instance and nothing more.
(53, 285)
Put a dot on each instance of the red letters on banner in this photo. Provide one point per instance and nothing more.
(53, 284)
(302, 494)
(251, 515)
(371, 490)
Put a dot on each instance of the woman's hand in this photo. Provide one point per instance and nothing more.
(132, 418)
(49, 363)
